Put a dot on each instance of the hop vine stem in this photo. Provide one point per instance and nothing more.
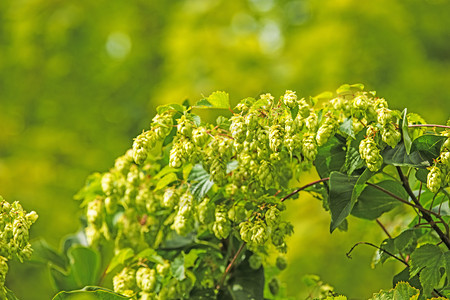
(425, 213)
(230, 265)
(429, 125)
(304, 187)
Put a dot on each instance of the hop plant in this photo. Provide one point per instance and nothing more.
(371, 154)
(222, 225)
(290, 99)
(309, 147)
(434, 179)
(146, 279)
(390, 135)
(125, 281)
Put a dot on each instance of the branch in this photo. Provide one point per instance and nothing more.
(230, 265)
(304, 187)
(385, 251)
(426, 214)
(419, 207)
(428, 125)
(384, 228)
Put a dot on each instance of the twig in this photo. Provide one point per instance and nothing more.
(426, 214)
(304, 187)
(230, 265)
(384, 228)
(385, 251)
(419, 207)
(428, 125)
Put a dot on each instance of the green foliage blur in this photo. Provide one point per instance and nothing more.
(80, 79)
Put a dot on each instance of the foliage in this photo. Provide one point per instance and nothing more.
(71, 95)
(194, 210)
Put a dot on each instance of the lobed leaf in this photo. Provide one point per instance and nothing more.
(372, 202)
(428, 260)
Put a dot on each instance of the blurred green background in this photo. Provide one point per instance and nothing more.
(79, 79)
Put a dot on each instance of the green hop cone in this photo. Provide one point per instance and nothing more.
(390, 135)
(281, 263)
(272, 215)
(290, 99)
(170, 198)
(218, 171)
(200, 136)
(260, 233)
(275, 137)
(274, 286)
(309, 147)
(222, 225)
(141, 144)
(255, 261)
(94, 212)
(3, 271)
(184, 126)
(445, 158)
(176, 158)
(205, 211)
(125, 280)
(146, 279)
(371, 154)
(434, 179)
(164, 268)
(238, 128)
(245, 231)
(312, 121)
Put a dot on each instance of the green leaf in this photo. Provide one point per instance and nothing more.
(429, 146)
(166, 180)
(330, 156)
(191, 257)
(344, 192)
(323, 96)
(91, 189)
(428, 260)
(163, 108)
(372, 202)
(151, 255)
(43, 253)
(244, 283)
(398, 157)
(381, 256)
(120, 258)
(347, 127)
(406, 242)
(402, 291)
(203, 103)
(200, 181)
(405, 133)
(421, 175)
(403, 276)
(177, 267)
(164, 171)
(90, 293)
(85, 265)
(215, 100)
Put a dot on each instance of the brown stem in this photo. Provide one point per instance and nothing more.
(402, 200)
(230, 265)
(387, 252)
(428, 125)
(425, 213)
(384, 228)
(304, 187)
